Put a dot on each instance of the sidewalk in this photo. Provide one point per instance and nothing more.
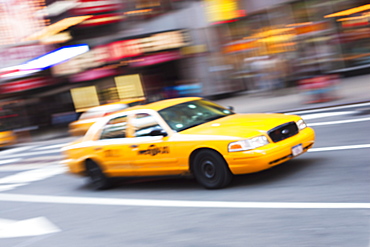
(349, 90)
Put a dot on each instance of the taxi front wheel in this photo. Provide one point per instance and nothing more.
(96, 176)
(211, 170)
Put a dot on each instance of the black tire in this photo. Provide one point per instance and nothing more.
(210, 170)
(97, 178)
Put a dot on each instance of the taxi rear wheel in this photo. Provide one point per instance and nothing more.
(210, 170)
(96, 176)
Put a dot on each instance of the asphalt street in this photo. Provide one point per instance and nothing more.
(321, 198)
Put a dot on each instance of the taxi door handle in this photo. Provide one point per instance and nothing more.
(98, 148)
(134, 146)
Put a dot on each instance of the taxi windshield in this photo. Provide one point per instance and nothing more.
(190, 114)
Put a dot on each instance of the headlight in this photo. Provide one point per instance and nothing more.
(248, 144)
(301, 124)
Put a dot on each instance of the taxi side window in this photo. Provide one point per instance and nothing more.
(115, 128)
(144, 124)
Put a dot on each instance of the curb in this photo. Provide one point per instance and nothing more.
(324, 106)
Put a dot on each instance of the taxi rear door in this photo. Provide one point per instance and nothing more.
(151, 151)
(112, 147)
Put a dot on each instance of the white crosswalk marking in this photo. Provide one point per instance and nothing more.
(15, 150)
(17, 167)
(29, 164)
(26, 177)
(57, 146)
(53, 151)
(7, 161)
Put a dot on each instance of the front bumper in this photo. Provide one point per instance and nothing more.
(270, 155)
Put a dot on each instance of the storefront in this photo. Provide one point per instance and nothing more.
(300, 35)
(153, 59)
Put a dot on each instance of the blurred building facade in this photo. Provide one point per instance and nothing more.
(169, 48)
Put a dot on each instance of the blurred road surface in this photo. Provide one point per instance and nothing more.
(318, 199)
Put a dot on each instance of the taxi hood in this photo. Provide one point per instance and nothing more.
(242, 125)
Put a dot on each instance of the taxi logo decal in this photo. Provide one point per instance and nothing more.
(153, 150)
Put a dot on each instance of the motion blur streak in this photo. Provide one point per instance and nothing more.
(339, 148)
(177, 203)
(340, 122)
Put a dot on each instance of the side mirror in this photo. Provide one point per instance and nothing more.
(158, 132)
(231, 108)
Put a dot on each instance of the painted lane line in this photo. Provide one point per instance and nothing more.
(330, 108)
(26, 228)
(326, 114)
(9, 161)
(339, 122)
(7, 187)
(176, 203)
(339, 148)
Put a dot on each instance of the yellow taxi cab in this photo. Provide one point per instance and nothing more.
(7, 135)
(89, 117)
(7, 138)
(187, 136)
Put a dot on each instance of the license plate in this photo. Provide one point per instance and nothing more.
(297, 150)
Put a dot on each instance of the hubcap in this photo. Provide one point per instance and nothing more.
(208, 169)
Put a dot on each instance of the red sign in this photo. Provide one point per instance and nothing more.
(23, 85)
(157, 58)
(93, 75)
(87, 7)
(156, 42)
(123, 49)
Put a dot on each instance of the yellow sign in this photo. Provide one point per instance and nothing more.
(222, 10)
(84, 97)
(129, 86)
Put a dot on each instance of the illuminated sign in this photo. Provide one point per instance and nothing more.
(18, 19)
(102, 19)
(241, 46)
(23, 85)
(219, 11)
(91, 59)
(156, 58)
(93, 74)
(349, 11)
(96, 6)
(57, 27)
(153, 43)
(314, 27)
(84, 97)
(129, 86)
(59, 7)
(18, 55)
(57, 56)
(122, 49)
